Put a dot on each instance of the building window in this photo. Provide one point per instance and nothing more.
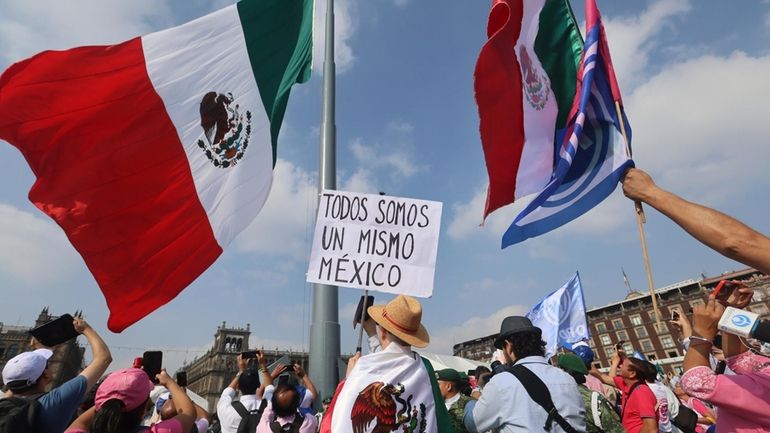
(662, 329)
(673, 353)
(646, 345)
(667, 341)
(617, 324)
(609, 351)
(605, 339)
(2, 350)
(592, 344)
(628, 348)
(622, 335)
(597, 365)
(601, 327)
(636, 320)
(652, 315)
(641, 331)
(651, 356)
(695, 302)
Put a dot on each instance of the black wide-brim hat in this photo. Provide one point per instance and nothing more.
(515, 325)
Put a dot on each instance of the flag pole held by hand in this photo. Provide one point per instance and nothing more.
(640, 221)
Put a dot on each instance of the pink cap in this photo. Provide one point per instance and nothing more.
(131, 386)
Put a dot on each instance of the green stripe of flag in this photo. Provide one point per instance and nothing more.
(279, 40)
(558, 46)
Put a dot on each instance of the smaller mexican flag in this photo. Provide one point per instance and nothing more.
(153, 154)
(391, 390)
(525, 85)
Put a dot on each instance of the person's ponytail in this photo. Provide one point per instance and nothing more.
(110, 418)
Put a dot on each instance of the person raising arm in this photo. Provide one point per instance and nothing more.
(718, 231)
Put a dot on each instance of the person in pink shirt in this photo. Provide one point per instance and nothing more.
(706, 417)
(743, 399)
(122, 401)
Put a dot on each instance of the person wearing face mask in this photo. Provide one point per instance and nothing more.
(392, 388)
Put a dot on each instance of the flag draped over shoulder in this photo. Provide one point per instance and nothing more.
(561, 315)
(592, 158)
(391, 390)
(525, 84)
(153, 154)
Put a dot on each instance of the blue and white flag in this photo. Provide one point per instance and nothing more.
(592, 157)
(562, 316)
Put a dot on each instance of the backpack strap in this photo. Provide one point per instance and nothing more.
(595, 412)
(539, 393)
(240, 408)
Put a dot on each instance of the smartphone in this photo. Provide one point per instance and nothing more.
(181, 378)
(251, 354)
(56, 331)
(152, 362)
(363, 304)
(674, 315)
(725, 292)
(619, 345)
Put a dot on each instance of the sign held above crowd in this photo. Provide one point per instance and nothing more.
(375, 242)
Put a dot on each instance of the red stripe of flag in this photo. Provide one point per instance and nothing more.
(498, 91)
(111, 172)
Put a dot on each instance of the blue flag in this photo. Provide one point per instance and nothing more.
(562, 316)
(591, 158)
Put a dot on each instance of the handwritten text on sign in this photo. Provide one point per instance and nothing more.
(375, 242)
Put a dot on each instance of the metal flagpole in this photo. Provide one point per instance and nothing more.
(640, 220)
(325, 327)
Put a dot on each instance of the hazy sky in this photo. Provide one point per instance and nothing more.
(696, 90)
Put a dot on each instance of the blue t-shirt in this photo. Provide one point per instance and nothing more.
(58, 406)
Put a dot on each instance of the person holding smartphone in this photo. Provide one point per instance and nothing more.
(27, 378)
(248, 383)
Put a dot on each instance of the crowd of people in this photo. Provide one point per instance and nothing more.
(724, 386)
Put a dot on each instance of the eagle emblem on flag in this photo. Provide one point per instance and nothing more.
(536, 86)
(225, 130)
(379, 402)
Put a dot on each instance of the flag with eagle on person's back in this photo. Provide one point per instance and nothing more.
(388, 392)
(393, 388)
(153, 154)
(547, 105)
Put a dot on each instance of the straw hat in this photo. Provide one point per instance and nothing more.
(402, 317)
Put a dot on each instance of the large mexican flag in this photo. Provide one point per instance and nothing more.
(525, 85)
(155, 153)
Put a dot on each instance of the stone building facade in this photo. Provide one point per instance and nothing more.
(632, 320)
(66, 362)
(211, 372)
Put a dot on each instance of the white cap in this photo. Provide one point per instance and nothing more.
(26, 366)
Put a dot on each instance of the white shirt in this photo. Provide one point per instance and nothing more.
(664, 417)
(228, 417)
(451, 400)
(506, 406)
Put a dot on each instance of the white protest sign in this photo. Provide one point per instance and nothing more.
(375, 242)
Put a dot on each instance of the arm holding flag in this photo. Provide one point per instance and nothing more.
(718, 231)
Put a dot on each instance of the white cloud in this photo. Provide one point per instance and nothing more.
(467, 217)
(34, 250)
(362, 180)
(380, 167)
(442, 340)
(632, 39)
(345, 26)
(401, 3)
(701, 128)
(284, 226)
(51, 24)
(767, 20)
(400, 126)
